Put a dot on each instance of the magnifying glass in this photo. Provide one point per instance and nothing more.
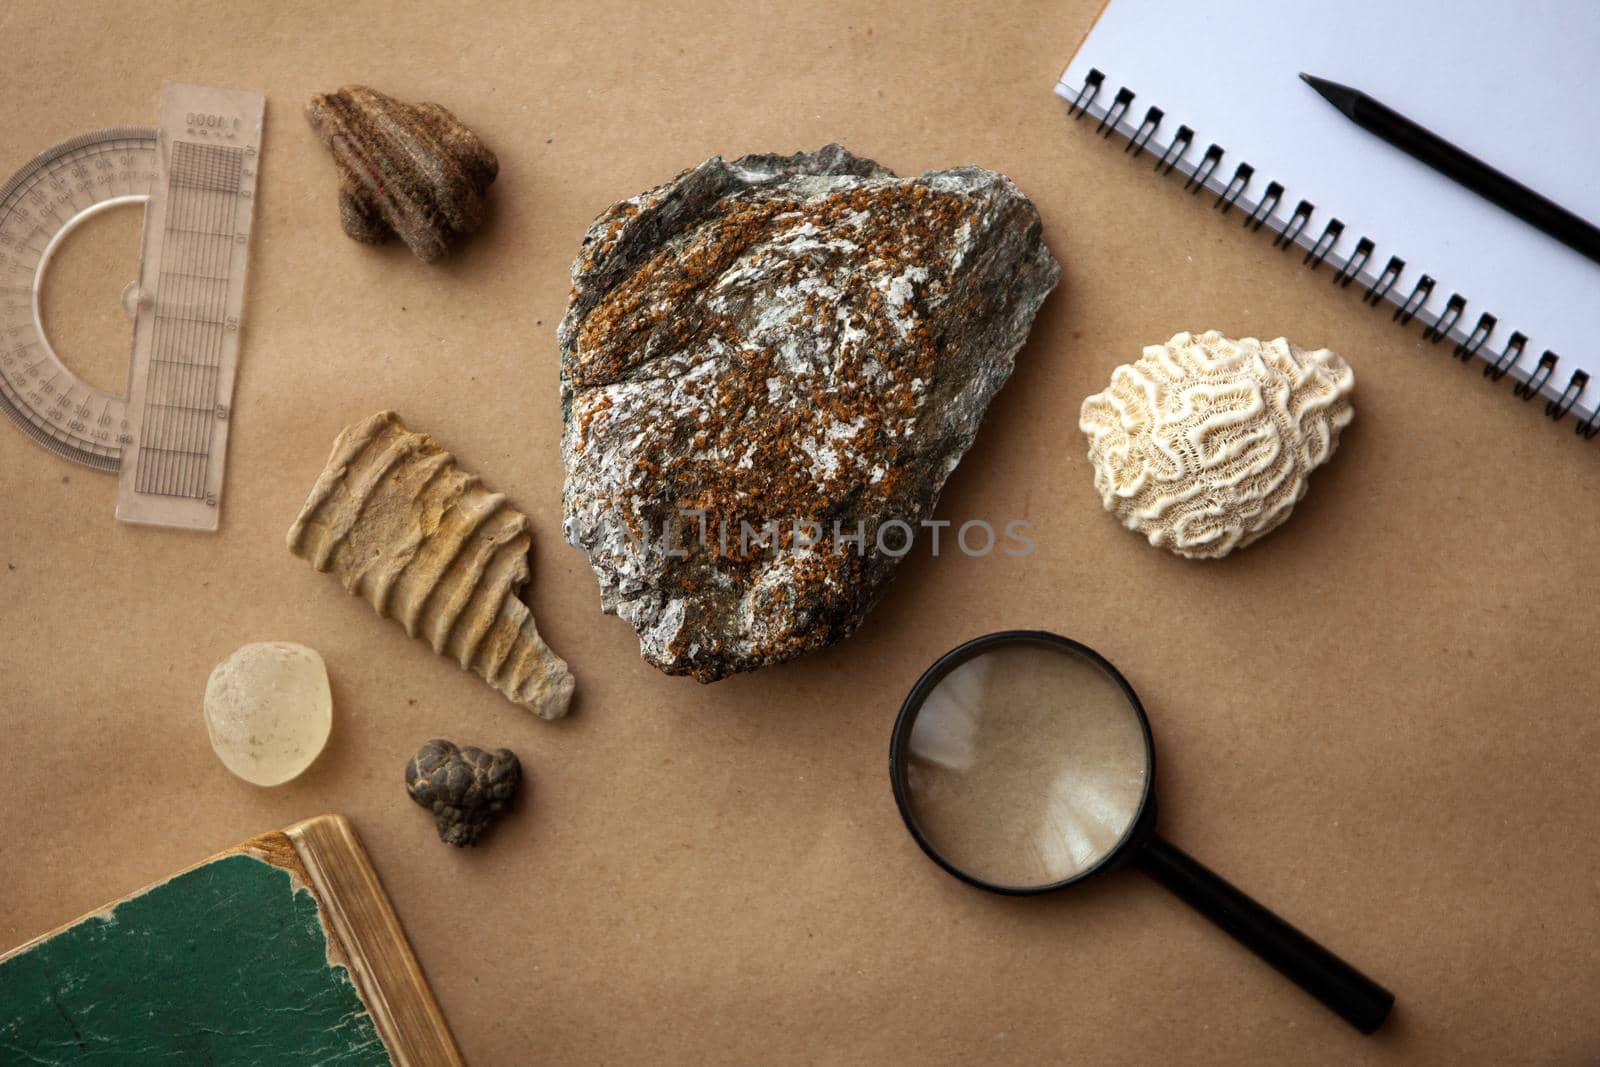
(1022, 763)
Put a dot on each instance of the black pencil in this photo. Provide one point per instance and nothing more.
(1466, 169)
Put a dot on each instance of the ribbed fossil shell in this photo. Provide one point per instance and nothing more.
(408, 169)
(426, 544)
(1205, 444)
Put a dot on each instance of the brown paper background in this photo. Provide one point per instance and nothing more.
(1379, 720)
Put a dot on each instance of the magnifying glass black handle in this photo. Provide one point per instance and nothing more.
(1362, 1002)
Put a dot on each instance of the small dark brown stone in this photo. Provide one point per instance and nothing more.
(467, 789)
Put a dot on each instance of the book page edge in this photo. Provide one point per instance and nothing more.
(382, 965)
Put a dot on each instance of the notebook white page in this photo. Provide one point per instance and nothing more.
(1517, 85)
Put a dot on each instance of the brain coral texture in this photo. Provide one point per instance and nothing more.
(1205, 443)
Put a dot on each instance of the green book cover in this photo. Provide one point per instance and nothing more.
(227, 963)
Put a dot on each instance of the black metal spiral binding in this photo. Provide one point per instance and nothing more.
(1147, 129)
(1480, 333)
(1114, 113)
(1355, 264)
(1180, 144)
(1384, 282)
(1289, 233)
(1241, 178)
(1286, 236)
(1569, 396)
(1508, 358)
(1264, 210)
(1324, 245)
(1446, 322)
(1419, 296)
(1529, 389)
(1202, 173)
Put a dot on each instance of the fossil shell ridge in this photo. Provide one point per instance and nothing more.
(428, 545)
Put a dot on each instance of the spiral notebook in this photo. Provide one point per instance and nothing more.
(1210, 93)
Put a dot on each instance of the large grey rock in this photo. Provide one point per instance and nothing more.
(789, 340)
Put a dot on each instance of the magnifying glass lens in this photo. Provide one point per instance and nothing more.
(1026, 765)
(1021, 762)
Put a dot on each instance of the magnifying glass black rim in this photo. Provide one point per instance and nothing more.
(935, 674)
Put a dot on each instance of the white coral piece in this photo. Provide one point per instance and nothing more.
(1205, 444)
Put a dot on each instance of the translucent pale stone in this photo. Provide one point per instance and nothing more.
(268, 711)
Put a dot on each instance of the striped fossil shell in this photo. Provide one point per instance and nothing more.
(1205, 444)
(408, 169)
(426, 544)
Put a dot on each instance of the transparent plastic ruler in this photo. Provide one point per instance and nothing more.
(196, 176)
(190, 300)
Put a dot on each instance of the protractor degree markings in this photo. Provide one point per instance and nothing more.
(47, 197)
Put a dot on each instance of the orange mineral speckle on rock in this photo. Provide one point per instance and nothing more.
(789, 340)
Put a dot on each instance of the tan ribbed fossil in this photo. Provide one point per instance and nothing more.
(428, 545)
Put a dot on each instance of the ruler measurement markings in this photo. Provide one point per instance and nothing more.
(183, 407)
(154, 469)
(186, 330)
(177, 334)
(202, 376)
(199, 277)
(229, 177)
(172, 362)
(193, 376)
(203, 371)
(180, 380)
(190, 330)
(202, 233)
(154, 437)
(162, 384)
(175, 451)
(181, 400)
(181, 318)
(197, 167)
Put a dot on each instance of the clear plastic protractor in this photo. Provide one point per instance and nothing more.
(39, 206)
